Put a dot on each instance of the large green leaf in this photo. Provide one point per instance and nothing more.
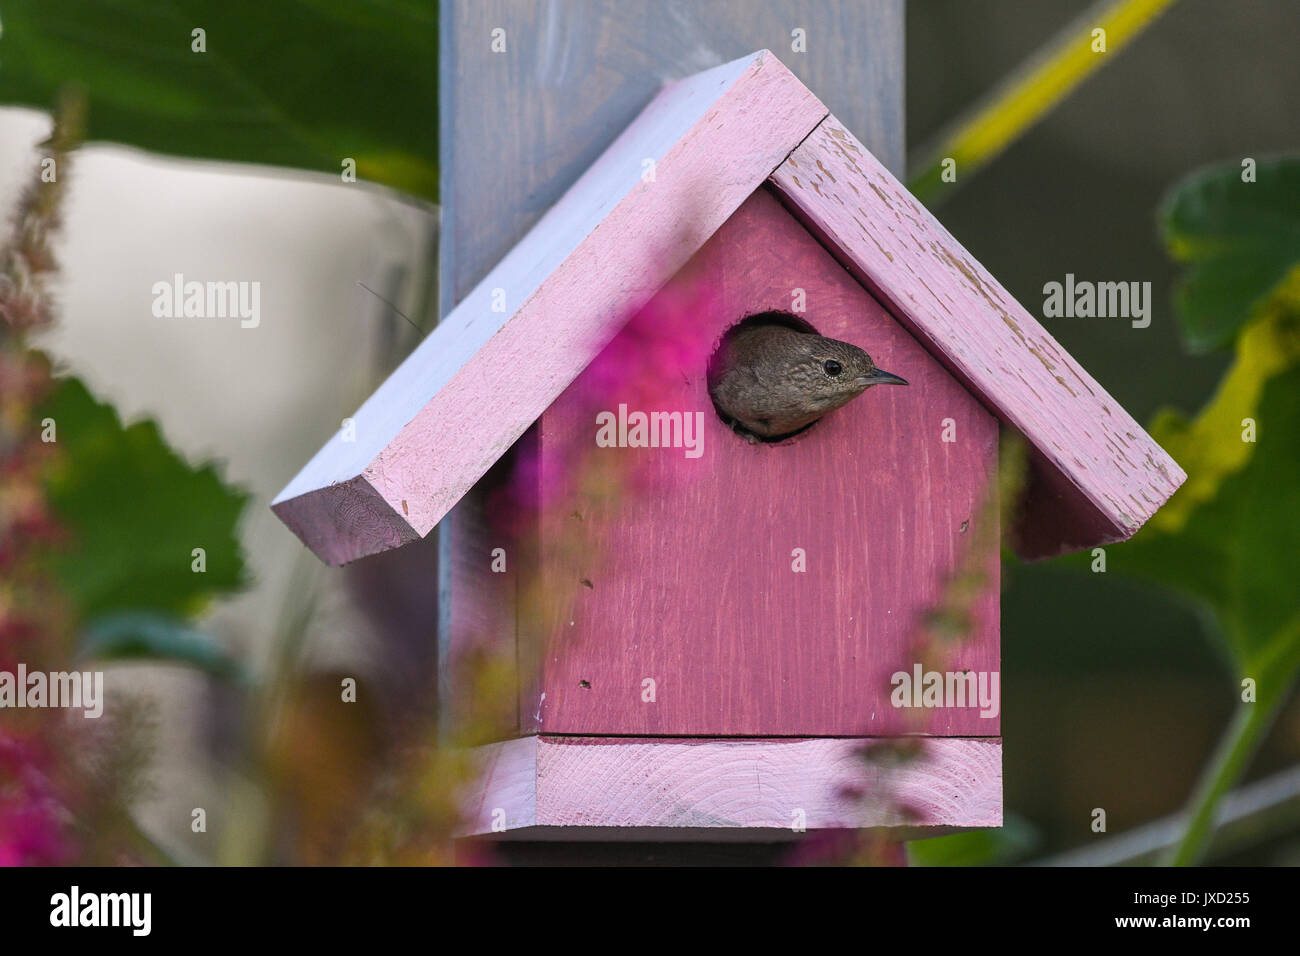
(135, 513)
(1239, 240)
(304, 84)
(1234, 553)
(1227, 539)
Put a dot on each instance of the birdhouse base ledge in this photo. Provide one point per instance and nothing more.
(721, 789)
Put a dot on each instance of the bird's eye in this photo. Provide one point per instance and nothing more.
(832, 367)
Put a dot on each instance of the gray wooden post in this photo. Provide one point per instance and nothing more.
(517, 127)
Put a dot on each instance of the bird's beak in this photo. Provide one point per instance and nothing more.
(880, 377)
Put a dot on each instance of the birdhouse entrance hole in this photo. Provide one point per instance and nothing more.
(772, 317)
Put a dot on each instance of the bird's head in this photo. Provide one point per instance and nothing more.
(832, 372)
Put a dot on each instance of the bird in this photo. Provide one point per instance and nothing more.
(769, 380)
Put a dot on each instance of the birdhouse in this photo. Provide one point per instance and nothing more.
(711, 633)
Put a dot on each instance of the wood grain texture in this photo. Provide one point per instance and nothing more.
(558, 787)
(1098, 476)
(485, 374)
(687, 579)
(518, 128)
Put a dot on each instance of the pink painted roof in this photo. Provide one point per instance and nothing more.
(431, 431)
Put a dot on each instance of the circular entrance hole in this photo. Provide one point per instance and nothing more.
(717, 362)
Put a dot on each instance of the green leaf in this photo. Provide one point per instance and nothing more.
(1239, 240)
(134, 513)
(1210, 447)
(304, 84)
(1012, 841)
(1234, 553)
(144, 635)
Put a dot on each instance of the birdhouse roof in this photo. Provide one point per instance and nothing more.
(698, 150)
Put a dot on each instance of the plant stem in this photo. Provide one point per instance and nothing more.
(1235, 751)
(1031, 92)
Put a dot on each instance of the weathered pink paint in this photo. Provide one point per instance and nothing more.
(483, 375)
(432, 430)
(688, 578)
(663, 788)
(1099, 476)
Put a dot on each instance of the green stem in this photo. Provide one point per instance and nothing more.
(1031, 92)
(1235, 751)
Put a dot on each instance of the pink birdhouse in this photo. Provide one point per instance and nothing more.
(711, 632)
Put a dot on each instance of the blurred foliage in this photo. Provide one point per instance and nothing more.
(1226, 539)
(1011, 842)
(66, 787)
(1266, 347)
(309, 86)
(135, 512)
(1030, 93)
(1239, 240)
(302, 85)
(159, 638)
(1233, 552)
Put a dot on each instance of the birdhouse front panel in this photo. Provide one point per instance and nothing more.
(716, 585)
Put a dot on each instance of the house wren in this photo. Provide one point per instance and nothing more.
(771, 380)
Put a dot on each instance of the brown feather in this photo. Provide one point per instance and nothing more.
(772, 380)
